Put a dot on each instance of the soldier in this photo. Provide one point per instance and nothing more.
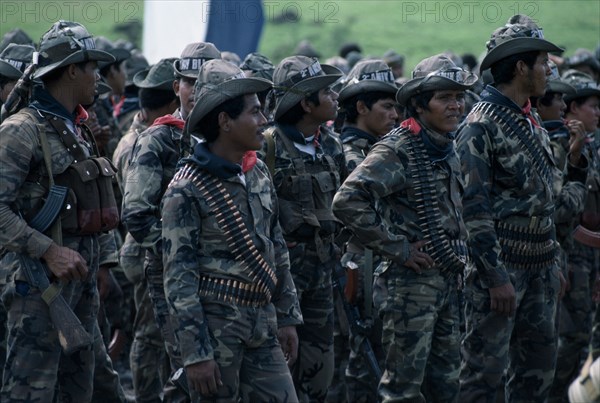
(512, 290)
(13, 62)
(147, 358)
(35, 368)
(227, 280)
(403, 201)
(151, 168)
(308, 165)
(368, 101)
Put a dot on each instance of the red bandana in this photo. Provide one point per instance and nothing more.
(81, 115)
(248, 161)
(527, 112)
(169, 120)
(412, 125)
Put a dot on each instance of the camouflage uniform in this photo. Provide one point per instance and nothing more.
(147, 358)
(242, 339)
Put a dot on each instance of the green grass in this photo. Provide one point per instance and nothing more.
(415, 28)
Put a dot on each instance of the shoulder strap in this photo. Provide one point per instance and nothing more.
(229, 218)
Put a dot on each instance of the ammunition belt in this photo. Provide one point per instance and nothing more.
(439, 247)
(237, 237)
(232, 291)
(526, 247)
(514, 125)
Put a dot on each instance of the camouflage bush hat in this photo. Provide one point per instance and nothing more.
(512, 39)
(231, 57)
(106, 45)
(296, 77)
(555, 83)
(436, 73)
(159, 77)
(67, 43)
(219, 81)
(257, 65)
(193, 57)
(16, 36)
(584, 85)
(136, 63)
(15, 59)
(368, 76)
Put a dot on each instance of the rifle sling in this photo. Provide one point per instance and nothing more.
(230, 220)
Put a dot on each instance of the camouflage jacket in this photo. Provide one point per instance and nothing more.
(501, 182)
(24, 183)
(377, 201)
(151, 168)
(327, 169)
(194, 243)
(356, 144)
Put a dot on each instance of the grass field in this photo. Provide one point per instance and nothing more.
(414, 28)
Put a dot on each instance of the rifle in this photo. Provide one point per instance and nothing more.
(19, 95)
(357, 325)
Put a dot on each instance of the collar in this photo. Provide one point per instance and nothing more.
(491, 94)
(42, 100)
(351, 132)
(218, 166)
(297, 137)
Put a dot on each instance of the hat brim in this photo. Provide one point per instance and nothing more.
(586, 92)
(561, 87)
(218, 94)
(9, 71)
(193, 74)
(306, 86)
(92, 55)
(119, 54)
(366, 86)
(140, 81)
(417, 86)
(515, 46)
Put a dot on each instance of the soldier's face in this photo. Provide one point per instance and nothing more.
(555, 110)
(86, 82)
(446, 109)
(328, 106)
(538, 75)
(184, 88)
(587, 112)
(378, 120)
(245, 132)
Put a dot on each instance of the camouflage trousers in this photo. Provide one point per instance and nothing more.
(523, 345)
(107, 387)
(35, 368)
(420, 336)
(575, 327)
(148, 360)
(250, 359)
(314, 368)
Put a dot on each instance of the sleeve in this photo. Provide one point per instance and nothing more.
(109, 254)
(17, 144)
(381, 174)
(476, 154)
(180, 237)
(143, 192)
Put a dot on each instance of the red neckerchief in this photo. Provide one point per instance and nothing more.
(412, 125)
(317, 137)
(117, 106)
(169, 120)
(81, 115)
(527, 112)
(248, 161)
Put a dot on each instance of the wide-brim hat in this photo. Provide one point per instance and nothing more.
(159, 76)
(219, 81)
(15, 59)
(193, 57)
(368, 76)
(67, 43)
(296, 77)
(257, 65)
(136, 63)
(120, 54)
(16, 36)
(583, 84)
(512, 39)
(436, 73)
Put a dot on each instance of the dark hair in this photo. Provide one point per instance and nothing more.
(296, 112)
(579, 101)
(56, 74)
(545, 100)
(420, 101)
(153, 99)
(104, 70)
(503, 70)
(368, 98)
(209, 125)
(5, 80)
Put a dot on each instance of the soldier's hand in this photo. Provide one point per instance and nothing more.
(204, 377)
(65, 264)
(418, 260)
(503, 300)
(577, 140)
(288, 338)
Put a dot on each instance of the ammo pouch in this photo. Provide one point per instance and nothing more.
(91, 206)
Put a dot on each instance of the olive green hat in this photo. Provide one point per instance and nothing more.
(296, 77)
(193, 57)
(368, 76)
(584, 85)
(219, 81)
(15, 59)
(512, 39)
(67, 43)
(257, 65)
(556, 84)
(159, 76)
(136, 63)
(15, 36)
(436, 73)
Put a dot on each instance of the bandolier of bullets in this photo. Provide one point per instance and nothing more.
(448, 254)
(260, 291)
(531, 246)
